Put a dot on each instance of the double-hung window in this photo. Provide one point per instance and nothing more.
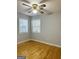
(23, 25)
(35, 25)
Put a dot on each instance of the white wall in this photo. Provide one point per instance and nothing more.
(50, 29)
(22, 36)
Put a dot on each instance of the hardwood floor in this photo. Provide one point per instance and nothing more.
(36, 50)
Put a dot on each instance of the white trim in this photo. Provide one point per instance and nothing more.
(22, 41)
(46, 43)
(40, 42)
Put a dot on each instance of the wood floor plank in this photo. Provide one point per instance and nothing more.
(37, 50)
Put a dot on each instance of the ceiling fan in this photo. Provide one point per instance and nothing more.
(35, 8)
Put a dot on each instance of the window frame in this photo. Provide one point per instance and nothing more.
(36, 26)
(27, 24)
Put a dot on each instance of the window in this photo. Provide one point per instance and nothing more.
(36, 26)
(23, 25)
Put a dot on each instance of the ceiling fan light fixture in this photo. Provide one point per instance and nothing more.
(35, 11)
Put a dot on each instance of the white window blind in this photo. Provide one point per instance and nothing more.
(35, 26)
(23, 25)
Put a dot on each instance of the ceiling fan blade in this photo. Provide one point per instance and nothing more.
(28, 9)
(26, 5)
(46, 11)
(25, 1)
(43, 1)
(41, 12)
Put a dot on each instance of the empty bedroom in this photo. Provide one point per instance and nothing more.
(38, 29)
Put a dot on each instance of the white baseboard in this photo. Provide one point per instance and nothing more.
(23, 41)
(40, 42)
(46, 42)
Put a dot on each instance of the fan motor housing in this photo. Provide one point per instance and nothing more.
(34, 6)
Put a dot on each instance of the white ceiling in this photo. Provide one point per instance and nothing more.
(53, 6)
